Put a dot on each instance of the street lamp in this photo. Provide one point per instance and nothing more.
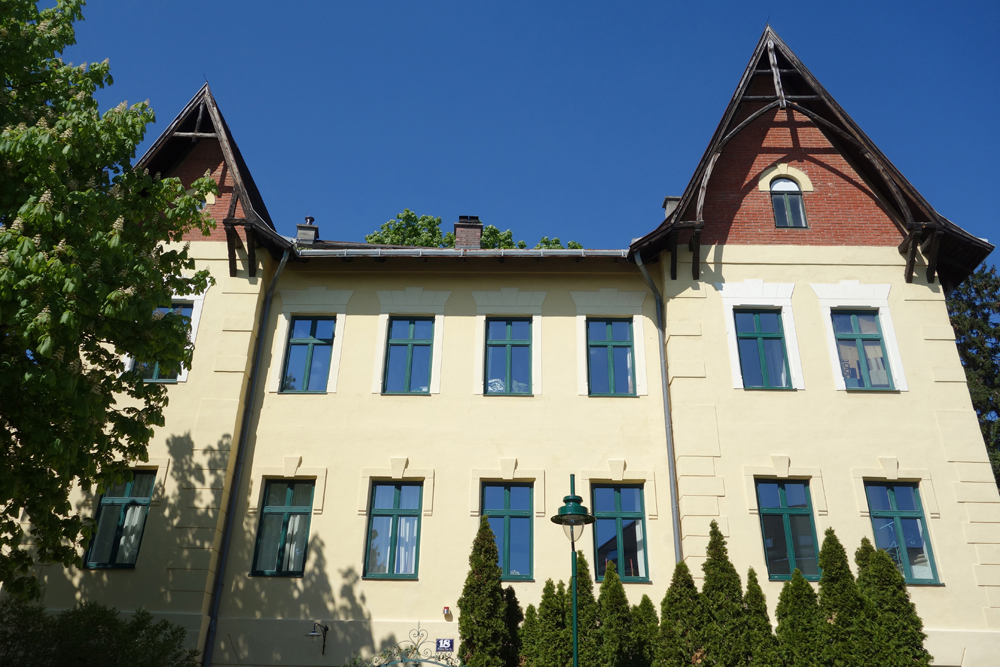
(319, 630)
(573, 517)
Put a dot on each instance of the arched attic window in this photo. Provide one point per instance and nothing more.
(787, 200)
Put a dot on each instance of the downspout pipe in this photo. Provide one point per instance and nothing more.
(241, 453)
(661, 327)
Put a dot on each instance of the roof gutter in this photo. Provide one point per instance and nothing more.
(450, 252)
(241, 452)
(661, 327)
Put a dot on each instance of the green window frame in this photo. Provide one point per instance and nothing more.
(150, 371)
(394, 508)
(858, 335)
(310, 348)
(620, 531)
(760, 338)
(789, 208)
(508, 357)
(120, 523)
(787, 528)
(610, 357)
(409, 356)
(895, 511)
(512, 526)
(283, 532)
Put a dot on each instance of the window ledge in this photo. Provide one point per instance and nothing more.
(405, 393)
(294, 393)
(383, 577)
(511, 395)
(612, 396)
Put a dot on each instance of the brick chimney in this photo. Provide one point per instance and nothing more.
(306, 234)
(468, 232)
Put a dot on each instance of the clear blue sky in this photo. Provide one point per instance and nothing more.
(569, 119)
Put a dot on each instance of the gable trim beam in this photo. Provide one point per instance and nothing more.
(777, 76)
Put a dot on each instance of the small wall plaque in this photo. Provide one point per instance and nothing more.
(445, 645)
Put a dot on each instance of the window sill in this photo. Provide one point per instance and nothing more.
(158, 381)
(870, 390)
(314, 393)
(769, 389)
(525, 580)
(406, 393)
(511, 395)
(629, 580)
(788, 577)
(390, 577)
(612, 396)
(108, 566)
(277, 575)
(925, 583)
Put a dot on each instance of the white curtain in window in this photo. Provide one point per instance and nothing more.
(135, 515)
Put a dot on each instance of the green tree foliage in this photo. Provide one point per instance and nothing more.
(90, 635)
(800, 621)
(761, 645)
(586, 604)
(682, 622)
(545, 243)
(617, 628)
(846, 635)
(974, 307)
(529, 637)
(554, 647)
(410, 230)
(510, 653)
(647, 628)
(896, 628)
(82, 269)
(494, 239)
(723, 599)
(482, 626)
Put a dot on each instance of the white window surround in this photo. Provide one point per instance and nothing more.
(617, 471)
(311, 301)
(751, 293)
(399, 469)
(782, 170)
(610, 303)
(508, 472)
(292, 469)
(508, 301)
(197, 302)
(781, 468)
(853, 294)
(889, 471)
(410, 301)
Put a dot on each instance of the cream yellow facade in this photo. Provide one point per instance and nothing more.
(866, 241)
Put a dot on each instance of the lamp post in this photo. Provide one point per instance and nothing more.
(573, 517)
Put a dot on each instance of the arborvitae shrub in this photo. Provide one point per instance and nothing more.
(554, 646)
(647, 628)
(529, 637)
(682, 622)
(511, 651)
(898, 636)
(846, 631)
(482, 629)
(799, 619)
(723, 599)
(616, 626)
(586, 612)
(762, 645)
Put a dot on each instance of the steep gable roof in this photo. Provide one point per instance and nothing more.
(952, 253)
(201, 120)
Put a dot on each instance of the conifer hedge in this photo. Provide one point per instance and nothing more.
(864, 622)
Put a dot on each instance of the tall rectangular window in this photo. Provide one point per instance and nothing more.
(393, 550)
(900, 528)
(620, 532)
(150, 371)
(284, 528)
(761, 341)
(121, 517)
(610, 357)
(307, 362)
(786, 522)
(508, 509)
(508, 356)
(863, 359)
(408, 360)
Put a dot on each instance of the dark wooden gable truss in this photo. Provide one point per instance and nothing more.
(201, 120)
(794, 87)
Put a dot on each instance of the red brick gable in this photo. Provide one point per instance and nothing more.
(841, 209)
(207, 156)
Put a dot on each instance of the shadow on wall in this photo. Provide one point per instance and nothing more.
(172, 576)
